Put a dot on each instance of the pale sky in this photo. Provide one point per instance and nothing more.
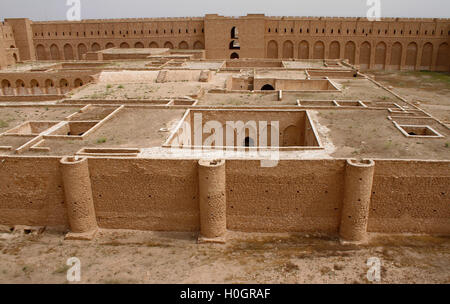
(98, 9)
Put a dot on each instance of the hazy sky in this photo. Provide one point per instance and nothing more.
(95, 9)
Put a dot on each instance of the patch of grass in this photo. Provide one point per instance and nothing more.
(120, 87)
(62, 269)
(3, 124)
(101, 140)
(447, 145)
(108, 86)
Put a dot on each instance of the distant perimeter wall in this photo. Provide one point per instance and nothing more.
(295, 196)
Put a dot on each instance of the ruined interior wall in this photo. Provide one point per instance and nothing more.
(31, 192)
(410, 196)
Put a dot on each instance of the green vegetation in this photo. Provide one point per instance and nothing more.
(3, 124)
(120, 87)
(108, 86)
(101, 140)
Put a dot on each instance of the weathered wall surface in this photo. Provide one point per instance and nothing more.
(293, 196)
(31, 192)
(146, 194)
(163, 195)
(410, 196)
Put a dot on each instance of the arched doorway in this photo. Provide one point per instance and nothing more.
(427, 55)
(138, 45)
(153, 45)
(303, 50)
(96, 47)
(168, 45)
(380, 56)
(288, 49)
(350, 50)
(443, 58)
(68, 52)
(319, 50)
(411, 56)
(124, 45)
(198, 45)
(40, 52)
(267, 87)
(183, 45)
(234, 56)
(272, 49)
(364, 55)
(82, 49)
(335, 50)
(396, 56)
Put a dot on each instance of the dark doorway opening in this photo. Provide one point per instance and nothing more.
(249, 142)
(267, 87)
(234, 56)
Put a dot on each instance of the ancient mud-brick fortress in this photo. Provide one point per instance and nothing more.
(391, 44)
(94, 120)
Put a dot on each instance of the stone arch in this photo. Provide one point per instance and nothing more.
(64, 86)
(350, 52)
(68, 52)
(198, 45)
(267, 87)
(82, 50)
(319, 50)
(138, 45)
(427, 57)
(272, 49)
(234, 56)
(40, 52)
(168, 45)
(6, 87)
(35, 89)
(411, 56)
(109, 45)
(124, 45)
(96, 47)
(50, 86)
(183, 45)
(443, 57)
(288, 49)
(153, 45)
(335, 50)
(364, 55)
(303, 50)
(380, 56)
(21, 88)
(54, 52)
(78, 83)
(396, 56)
(291, 136)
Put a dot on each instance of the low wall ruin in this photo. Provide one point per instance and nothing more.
(163, 195)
